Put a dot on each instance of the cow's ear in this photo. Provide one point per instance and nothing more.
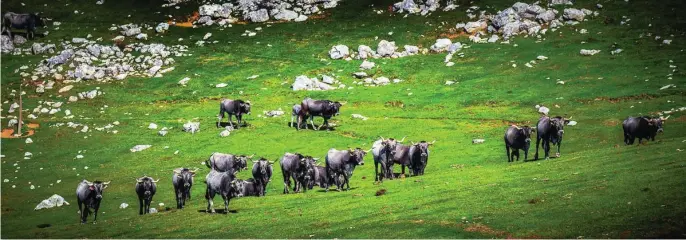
(566, 121)
(91, 187)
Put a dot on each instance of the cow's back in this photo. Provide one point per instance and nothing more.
(289, 162)
(378, 151)
(82, 191)
(222, 162)
(336, 159)
(229, 105)
(543, 126)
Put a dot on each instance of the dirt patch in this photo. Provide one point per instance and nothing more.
(682, 118)
(9, 132)
(618, 99)
(482, 228)
(380, 192)
(611, 122)
(189, 20)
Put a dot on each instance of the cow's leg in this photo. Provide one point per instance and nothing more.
(559, 144)
(626, 138)
(209, 195)
(81, 210)
(376, 171)
(547, 148)
(140, 210)
(526, 155)
(231, 121)
(300, 122)
(402, 167)
(95, 213)
(220, 116)
(538, 140)
(296, 185)
(178, 199)
(226, 204)
(507, 152)
(312, 122)
(516, 153)
(286, 182)
(347, 183)
(291, 124)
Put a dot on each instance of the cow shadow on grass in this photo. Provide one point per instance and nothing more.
(310, 127)
(226, 124)
(219, 211)
(334, 190)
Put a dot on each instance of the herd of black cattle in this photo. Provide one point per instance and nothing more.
(305, 172)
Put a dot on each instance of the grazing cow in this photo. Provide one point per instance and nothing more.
(323, 108)
(183, 181)
(262, 172)
(145, 188)
(641, 127)
(419, 157)
(342, 163)
(296, 167)
(320, 178)
(223, 162)
(89, 194)
(224, 184)
(233, 107)
(517, 138)
(28, 21)
(550, 130)
(248, 187)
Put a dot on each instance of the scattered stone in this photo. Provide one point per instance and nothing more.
(152, 126)
(221, 85)
(586, 52)
(274, 113)
(139, 148)
(441, 45)
(478, 141)
(386, 48)
(191, 127)
(366, 65)
(184, 81)
(53, 201)
(358, 116)
(339, 52)
(123, 206)
(302, 82)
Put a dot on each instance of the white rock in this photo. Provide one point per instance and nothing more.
(478, 141)
(152, 126)
(339, 52)
(441, 45)
(139, 148)
(366, 65)
(543, 110)
(53, 201)
(28, 140)
(65, 88)
(358, 116)
(586, 52)
(571, 123)
(207, 36)
(221, 85)
(541, 57)
(184, 81)
(123, 205)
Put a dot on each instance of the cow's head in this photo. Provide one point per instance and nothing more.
(262, 166)
(241, 162)
(147, 183)
(245, 107)
(186, 175)
(526, 132)
(97, 187)
(657, 123)
(40, 22)
(558, 124)
(335, 108)
(423, 147)
(391, 144)
(237, 186)
(357, 155)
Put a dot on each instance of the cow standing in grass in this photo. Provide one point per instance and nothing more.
(145, 188)
(89, 196)
(28, 21)
(224, 162)
(182, 181)
(340, 165)
(550, 130)
(224, 184)
(641, 127)
(517, 138)
(295, 167)
(419, 157)
(233, 107)
(262, 172)
(323, 108)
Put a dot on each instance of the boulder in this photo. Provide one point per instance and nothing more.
(18, 40)
(561, 2)
(53, 201)
(386, 48)
(162, 27)
(328, 79)
(411, 50)
(364, 52)
(586, 52)
(130, 30)
(454, 47)
(339, 52)
(441, 45)
(139, 148)
(366, 65)
(504, 17)
(511, 29)
(573, 14)
(258, 16)
(6, 44)
(546, 17)
(286, 14)
(300, 18)
(191, 127)
(472, 27)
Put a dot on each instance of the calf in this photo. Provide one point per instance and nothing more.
(342, 163)
(550, 130)
(324, 108)
(419, 157)
(262, 172)
(320, 178)
(233, 107)
(249, 187)
(224, 184)
(295, 114)
(89, 196)
(223, 162)
(182, 181)
(517, 138)
(145, 188)
(641, 127)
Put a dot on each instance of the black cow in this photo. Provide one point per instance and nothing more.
(145, 188)
(550, 130)
(295, 167)
(517, 138)
(342, 163)
(397, 154)
(28, 21)
(642, 127)
(262, 172)
(323, 108)
(224, 162)
(224, 184)
(419, 157)
(89, 196)
(182, 181)
(233, 107)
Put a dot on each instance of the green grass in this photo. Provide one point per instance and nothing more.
(599, 188)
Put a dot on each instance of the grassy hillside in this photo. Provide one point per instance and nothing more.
(599, 188)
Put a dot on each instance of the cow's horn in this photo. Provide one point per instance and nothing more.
(369, 150)
(413, 143)
(432, 143)
(315, 159)
(251, 156)
(271, 162)
(106, 183)
(193, 171)
(177, 171)
(155, 181)
(402, 139)
(139, 180)
(382, 139)
(89, 183)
